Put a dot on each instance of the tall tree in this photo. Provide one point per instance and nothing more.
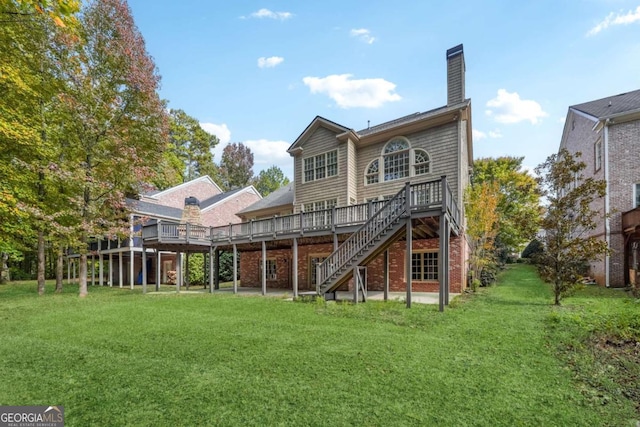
(569, 219)
(269, 180)
(236, 166)
(29, 86)
(519, 199)
(191, 146)
(481, 202)
(115, 124)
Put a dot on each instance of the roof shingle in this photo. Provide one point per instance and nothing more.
(611, 105)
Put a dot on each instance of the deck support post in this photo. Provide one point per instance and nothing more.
(186, 271)
(443, 252)
(100, 269)
(120, 272)
(212, 270)
(264, 267)
(235, 268)
(158, 269)
(110, 281)
(356, 284)
(295, 267)
(132, 279)
(144, 270)
(93, 270)
(216, 278)
(386, 275)
(408, 257)
(178, 271)
(68, 270)
(335, 241)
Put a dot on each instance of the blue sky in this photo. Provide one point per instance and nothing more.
(258, 72)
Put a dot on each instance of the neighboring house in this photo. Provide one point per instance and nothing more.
(199, 201)
(380, 208)
(607, 133)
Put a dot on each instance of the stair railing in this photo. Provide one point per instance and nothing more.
(377, 224)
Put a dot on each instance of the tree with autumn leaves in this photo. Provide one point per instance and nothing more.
(503, 213)
(83, 124)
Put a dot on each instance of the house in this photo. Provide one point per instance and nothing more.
(199, 201)
(376, 209)
(607, 133)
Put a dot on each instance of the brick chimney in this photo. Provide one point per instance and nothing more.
(455, 75)
(191, 211)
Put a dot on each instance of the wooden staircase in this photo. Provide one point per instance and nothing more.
(385, 227)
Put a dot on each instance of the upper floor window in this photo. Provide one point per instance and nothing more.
(321, 166)
(637, 195)
(399, 161)
(597, 151)
(396, 159)
(421, 162)
(373, 174)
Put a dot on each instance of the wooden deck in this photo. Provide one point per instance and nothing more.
(425, 200)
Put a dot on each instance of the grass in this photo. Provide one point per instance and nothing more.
(504, 356)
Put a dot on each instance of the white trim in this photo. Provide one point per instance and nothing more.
(583, 114)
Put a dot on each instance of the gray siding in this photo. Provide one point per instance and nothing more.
(352, 186)
(441, 143)
(321, 141)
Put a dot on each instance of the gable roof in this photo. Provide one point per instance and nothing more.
(205, 178)
(611, 105)
(154, 209)
(283, 196)
(212, 201)
(317, 122)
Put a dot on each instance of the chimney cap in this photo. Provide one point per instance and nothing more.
(191, 201)
(455, 51)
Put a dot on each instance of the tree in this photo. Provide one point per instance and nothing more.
(269, 180)
(236, 166)
(114, 123)
(519, 202)
(191, 146)
(29, 86)
(569, 219)
(481, 201)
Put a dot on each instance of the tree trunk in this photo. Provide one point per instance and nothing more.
(59, 269)
(556, 293)
(41, 262)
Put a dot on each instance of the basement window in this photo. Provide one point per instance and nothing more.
(424, 266)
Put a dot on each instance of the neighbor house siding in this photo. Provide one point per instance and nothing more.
(439, 142)
(322, 141)
(624, 140)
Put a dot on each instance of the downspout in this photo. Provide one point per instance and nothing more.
(607, 228)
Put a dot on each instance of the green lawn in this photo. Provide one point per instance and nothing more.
(503, 357)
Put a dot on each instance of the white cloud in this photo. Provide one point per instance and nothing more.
(269, 62)
(266, 13)
(348, 92)
(478, 134)
(268, 153)
(221, 131)
(363, 34)
(562, 119)
(616, 19)
(509, 108)
(493, 134)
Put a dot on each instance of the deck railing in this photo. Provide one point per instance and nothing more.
(423, 196)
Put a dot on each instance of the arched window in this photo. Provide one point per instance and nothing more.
(373, 175)
(396, 159)
(421, 162)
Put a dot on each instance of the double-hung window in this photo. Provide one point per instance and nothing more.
(323, 165)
